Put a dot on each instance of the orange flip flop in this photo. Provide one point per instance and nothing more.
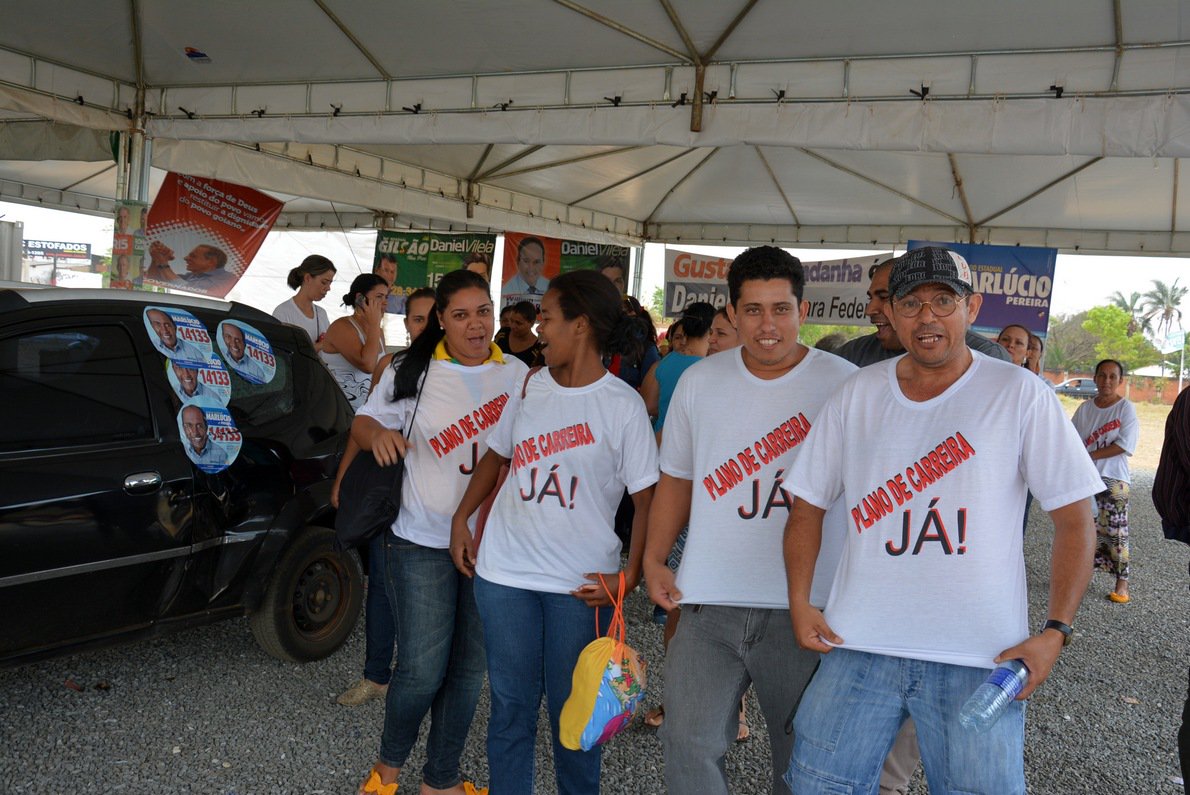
(1120, 599)
(374, 787)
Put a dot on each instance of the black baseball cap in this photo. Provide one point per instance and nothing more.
(929, 265)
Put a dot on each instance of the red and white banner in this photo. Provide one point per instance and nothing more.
(203, 233)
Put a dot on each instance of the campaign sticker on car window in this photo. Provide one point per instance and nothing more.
(209, 436)
(208, 385)
(177, 334)
(247, 352)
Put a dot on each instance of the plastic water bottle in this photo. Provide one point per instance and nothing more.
(988, 702)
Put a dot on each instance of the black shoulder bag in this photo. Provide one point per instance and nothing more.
(370, 495)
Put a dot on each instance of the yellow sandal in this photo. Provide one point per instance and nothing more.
(374, 787)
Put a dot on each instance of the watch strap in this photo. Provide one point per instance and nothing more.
(1066, 630)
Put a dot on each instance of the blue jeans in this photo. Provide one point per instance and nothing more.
(855, 705)
(380, 629)
(441, 663)
(533, 640)
(715, 654)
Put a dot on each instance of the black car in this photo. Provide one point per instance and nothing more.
(1078, 387)
(164, 462)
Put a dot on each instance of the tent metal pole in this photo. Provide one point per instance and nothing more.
(122, 165)
(627, 31)
(777, 185)
(567, 161)
(682, 32)
(354, 40)
(1173, 212)
(649, 219)
(714, 48)
(958, 184)
(520, 155)
(638, 271)
(879, 184)
(1119, 26)
(1039, 191)
(631, 177)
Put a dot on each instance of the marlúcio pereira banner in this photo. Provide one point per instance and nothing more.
(835, 290)
(1015, 281)
(410, 260)
(530, 261)
(201, 234)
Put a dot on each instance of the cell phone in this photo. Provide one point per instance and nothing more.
(361, 301)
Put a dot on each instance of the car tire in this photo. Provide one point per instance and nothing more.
(312, 601)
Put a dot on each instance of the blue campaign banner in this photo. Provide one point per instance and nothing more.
(1015, 282)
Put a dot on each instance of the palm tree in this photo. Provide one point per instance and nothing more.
(1161, 306)
(1135, 309)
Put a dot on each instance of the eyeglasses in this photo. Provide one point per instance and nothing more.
(942, 305)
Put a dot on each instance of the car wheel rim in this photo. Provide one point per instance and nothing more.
(319, 597)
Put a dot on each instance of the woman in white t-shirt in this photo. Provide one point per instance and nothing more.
(312, 280)
(435, 407)
(355, 343)
(575, 437)
(1108, 426)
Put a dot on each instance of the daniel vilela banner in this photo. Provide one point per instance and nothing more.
(415, 259)
(530, 261)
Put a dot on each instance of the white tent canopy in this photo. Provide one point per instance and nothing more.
(854, 124)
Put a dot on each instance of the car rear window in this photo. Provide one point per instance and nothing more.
(72, 387)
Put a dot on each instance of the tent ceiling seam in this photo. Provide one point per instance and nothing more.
(777, 185)
(649, 218)
(879, 184)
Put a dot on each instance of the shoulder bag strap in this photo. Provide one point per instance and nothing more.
(395, 487)
(528, 375)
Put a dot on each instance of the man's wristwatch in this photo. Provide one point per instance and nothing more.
(1066, 630)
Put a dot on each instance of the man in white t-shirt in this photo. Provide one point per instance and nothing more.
(729, 479)
(932, 453)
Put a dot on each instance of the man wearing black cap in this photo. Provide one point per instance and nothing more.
(930, 592)
(883, 343)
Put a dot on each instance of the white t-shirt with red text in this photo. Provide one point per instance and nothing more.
(573, 451)
(735, 436)
(933, 565)
(459, 408)
(1099, 428)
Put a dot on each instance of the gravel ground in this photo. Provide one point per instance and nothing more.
(204, 711)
